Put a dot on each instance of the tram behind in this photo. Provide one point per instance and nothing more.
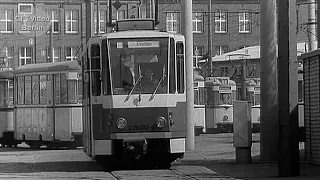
(6, 108)
(48, 104)
(221, 91)
(134, 96)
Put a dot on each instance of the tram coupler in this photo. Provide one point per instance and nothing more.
(135, 147)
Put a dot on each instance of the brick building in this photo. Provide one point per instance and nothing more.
(26, 36)
(234, 24)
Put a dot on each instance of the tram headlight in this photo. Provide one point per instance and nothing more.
(121, 123)
(161, 122)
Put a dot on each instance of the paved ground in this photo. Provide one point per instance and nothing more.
(213, 158)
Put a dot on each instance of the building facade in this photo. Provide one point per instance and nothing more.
(35, 31)
(39, 31)
(233, 24)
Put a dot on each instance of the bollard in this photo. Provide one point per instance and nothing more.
(242, 131)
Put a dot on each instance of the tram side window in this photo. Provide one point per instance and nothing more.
(95, 70)
(3, 93)
(180, 67)
(196, 98)
(300, 91)
(216, 98)
(35, 89)
(172, 80)
(20, 92)
(63, 89)
(57, 88)
(106, 70)
(43, 89)
(201, 95)
(10, 98)
(79, 91)
(72, 91)
(256, 99)
(27, 89)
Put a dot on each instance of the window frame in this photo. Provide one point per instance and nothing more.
(246, 22)
(172, 19)
(25, 58)
(25, 4)
(51, 13)
(219, 21)
(7, 20)
(71, 21)
(180, 64)
(196, 20)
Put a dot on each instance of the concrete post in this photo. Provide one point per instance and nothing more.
(98, 22)
(312, 25)
(89, 19)
(289, 161)
(269, 134)
(186, 7)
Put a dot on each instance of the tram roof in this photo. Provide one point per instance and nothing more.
(250, 53)
(6, 74)
(48, 67)
(139, 33)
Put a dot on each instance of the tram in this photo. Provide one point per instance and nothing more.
(221, 91)
(6, 108)
(134, 95)
(47, 107)
(253, 96)
(199, 104)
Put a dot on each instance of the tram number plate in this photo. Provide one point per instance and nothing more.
(139, 127)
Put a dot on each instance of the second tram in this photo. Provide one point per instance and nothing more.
(6, 108)
(48, 104)
(134, 95)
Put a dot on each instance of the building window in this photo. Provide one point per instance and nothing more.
(54, 19)
(72, 17)
(220, 22)
(25, 56)
(221, 50)
(197, 54)
(55, 54)
(244, 22)
(6, 21)
(102, 21)
(6, 58)
(172, 22)
(197, 22)
(25, 8)
(71, 53)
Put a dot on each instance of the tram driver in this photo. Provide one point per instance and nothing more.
(149, 80)
(123, 71)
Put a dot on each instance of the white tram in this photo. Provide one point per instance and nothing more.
(253, 96)
(134, 95)
(221, 91)
(6, 108)
(199, 104)
(48, 104)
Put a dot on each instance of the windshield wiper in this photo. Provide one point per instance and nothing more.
(155, 91)
(134, 86)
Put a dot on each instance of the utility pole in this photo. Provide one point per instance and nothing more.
(289, 161)
(89, 19)
(209, 39)
(98, 17)
(186, 7)
(312, 25)
(269, 123)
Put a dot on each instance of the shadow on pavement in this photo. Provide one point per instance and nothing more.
(64, 166)
(256, 170)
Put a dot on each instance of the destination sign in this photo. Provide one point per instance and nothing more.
(143, 44)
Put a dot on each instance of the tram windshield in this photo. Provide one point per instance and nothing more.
(225, 99)
(139, 65)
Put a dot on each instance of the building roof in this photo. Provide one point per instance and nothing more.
(252, 52)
